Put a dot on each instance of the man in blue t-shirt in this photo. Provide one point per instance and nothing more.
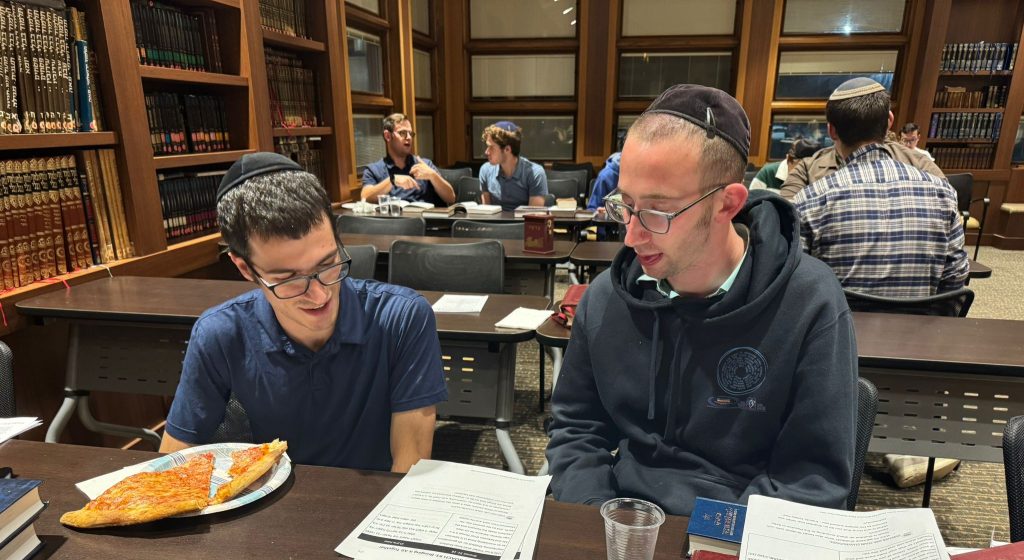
(403, 174)
(508, 179)
(347, 371)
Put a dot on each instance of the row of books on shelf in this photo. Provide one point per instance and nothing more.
(47, 81)
(301, 149)
(59, 214)
(189, 203)
(174, 38)
(293, 90)
(284, 16)
(978, 57)
(185, 123)
(962, 157)
(990, 97)
(965, 126)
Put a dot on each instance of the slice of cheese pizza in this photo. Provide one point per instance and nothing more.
(247, 466)
(148, 496)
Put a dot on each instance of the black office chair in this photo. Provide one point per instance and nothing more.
(364, 261)
(580, 179)
(963, 183)
(476, 267)
(585, 166)
(488, 230)
(474, 166)
(386, 226)
(234, 428)
(7, 408)
(452, 175)
(467, 189)
(955, 303)
(1013, 466)
(867, 407)
(564, 188)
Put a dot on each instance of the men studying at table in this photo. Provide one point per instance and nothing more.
(347, 371)
(714, 358)
(403, 174)
(773, 174)
(509, 179)
(884, 226)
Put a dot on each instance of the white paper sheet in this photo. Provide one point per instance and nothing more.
(524, 318)
(450, 303)
(11, 427)
(451, 511)
(779, 530)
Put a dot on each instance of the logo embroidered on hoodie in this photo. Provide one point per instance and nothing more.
(741, 371)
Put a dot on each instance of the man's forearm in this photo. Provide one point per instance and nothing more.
(371, 192)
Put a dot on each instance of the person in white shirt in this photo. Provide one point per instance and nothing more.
(910, 136)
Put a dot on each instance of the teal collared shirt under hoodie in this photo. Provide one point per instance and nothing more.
(752, 392)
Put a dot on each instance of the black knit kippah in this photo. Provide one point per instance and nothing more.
(712, 109)
(254, 165)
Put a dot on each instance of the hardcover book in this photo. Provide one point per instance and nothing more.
(19, 506)
(716, 526)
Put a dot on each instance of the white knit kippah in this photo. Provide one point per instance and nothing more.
(855, 88)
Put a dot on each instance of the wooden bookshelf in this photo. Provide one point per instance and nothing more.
(303, 131)
(50, 141)
(290, 42)
(944, 141)
(982, 174)
(968, 110)
(191, 77)
(196, 160)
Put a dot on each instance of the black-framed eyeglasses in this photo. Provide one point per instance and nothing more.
(294, 287)
(653, 221)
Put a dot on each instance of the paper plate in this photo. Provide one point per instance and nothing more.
(266, 484)
(353, 205)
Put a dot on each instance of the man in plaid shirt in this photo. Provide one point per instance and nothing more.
(886, 228)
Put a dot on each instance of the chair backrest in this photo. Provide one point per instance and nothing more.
(566, 188)
(364, 261)
(477, 267)
(585, 166)
(452, 175)
(748, 177)
(1013, 466)
(955, 303)
(388, 226)
(234, 428)
(488, 230)
(580, 179)
(867, 407)
(473, 166)
(6, 381)
(467, 189)
(962, 183)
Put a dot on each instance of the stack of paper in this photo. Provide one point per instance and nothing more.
(11, 427)
(452, 303)
(452, 511)
(524, 318)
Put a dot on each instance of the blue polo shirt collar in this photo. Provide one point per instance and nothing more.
(350, 327)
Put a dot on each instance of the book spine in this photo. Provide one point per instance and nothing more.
(88, 209)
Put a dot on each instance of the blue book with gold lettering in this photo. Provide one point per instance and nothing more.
(716, 526)
(19, 507)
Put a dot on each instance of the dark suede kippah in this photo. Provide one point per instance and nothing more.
(712, 109)
(254, 165)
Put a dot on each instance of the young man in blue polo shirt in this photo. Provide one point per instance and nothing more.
(347, 371)
(403, 174)
(508, 179)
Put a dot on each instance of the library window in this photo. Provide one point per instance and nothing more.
(787, 129)
(646, 75)
(421, 74)
(369, 140)
(506, 75)
(372, 6)
(1018, 145)
(544, 137)
(843, 17)
(425, 136)
(421, 16)
(365, 62)
(533, 19)
(621, 128)
(815, 74)
(678, 17)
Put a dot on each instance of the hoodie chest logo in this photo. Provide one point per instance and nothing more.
(741, 371)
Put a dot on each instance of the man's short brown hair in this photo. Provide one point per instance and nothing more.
(505, 134)
(393, 120)
(860, 119)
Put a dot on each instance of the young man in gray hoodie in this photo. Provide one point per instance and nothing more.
(714, 358)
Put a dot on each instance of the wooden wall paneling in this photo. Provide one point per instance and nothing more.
(1014, 107)
(455, 74)
(399, 53)
(253, 64)
(756, 63)
(341, 109)
(926, 77)
(321, 14)
(597, 64)
(911, 52)
(121, 89)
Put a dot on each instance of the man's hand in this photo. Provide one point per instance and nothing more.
(422, 171)
(406, 182)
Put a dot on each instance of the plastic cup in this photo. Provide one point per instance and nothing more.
(631, 528)
(384, 204)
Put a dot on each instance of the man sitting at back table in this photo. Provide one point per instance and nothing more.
(403, 174)
(885, 227)
(347, 371)
(508, 179)
(713, 358)
(773, 174)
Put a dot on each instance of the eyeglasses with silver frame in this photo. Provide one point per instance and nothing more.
(294, 287)
(653, 221)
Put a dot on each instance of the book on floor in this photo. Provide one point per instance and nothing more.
(716, 526)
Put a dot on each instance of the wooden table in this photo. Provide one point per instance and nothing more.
(582, 218)
(307, 517)
(148, 320)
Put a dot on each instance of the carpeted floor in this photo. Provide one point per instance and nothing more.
(970, 504)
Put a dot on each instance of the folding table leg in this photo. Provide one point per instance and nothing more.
(928, 482)
(503, 419)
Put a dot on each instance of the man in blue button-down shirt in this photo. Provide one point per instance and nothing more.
(403, 174)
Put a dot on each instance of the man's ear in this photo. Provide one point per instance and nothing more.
(733, 198)
(242, 267)
(832, 133)
(891, 120)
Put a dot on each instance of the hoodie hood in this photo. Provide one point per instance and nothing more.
(773, 253)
